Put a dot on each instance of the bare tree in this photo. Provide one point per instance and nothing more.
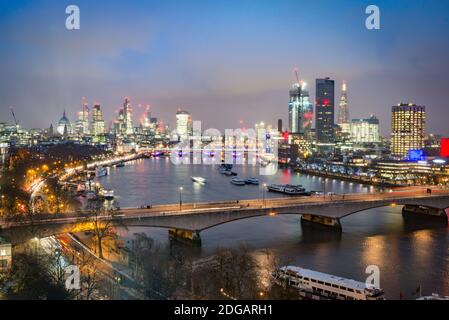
(104, 221)
(91, 277)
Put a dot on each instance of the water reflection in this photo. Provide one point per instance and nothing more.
(156, 181)
(406, 259)
(408, 253)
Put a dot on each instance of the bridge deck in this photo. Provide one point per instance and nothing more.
(330, 202)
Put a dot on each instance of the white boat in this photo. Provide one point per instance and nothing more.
(434, 296)
(252, 181)
(101, 172)
(287, 189)
(107, 194)
(199, 180)
(316, 285)
(238, 182)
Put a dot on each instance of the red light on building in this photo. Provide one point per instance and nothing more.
(285, 135)
(444, 148)
(325, 102)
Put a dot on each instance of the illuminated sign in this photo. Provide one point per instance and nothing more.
(444, 148)
(416, 155)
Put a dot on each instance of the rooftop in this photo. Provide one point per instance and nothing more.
(349, 283)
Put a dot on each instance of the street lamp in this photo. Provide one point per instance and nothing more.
(263, 194)
(324, 188)
(180, 198)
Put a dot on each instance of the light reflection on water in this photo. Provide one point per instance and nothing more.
(407, 255)
(157, 181)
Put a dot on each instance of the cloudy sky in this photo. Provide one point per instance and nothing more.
(224, 61)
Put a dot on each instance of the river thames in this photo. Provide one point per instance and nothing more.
(408, 255)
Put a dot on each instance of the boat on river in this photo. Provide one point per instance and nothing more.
(199, 180)
(238, 181)
(288, 189)
(106, 194)
(101, 171)
(253, 181)
(321, 286)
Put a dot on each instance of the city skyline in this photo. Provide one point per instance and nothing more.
(241, 69)
(224, 151)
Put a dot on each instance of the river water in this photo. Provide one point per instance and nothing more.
(408, 255)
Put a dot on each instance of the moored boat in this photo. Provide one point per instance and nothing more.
(107, 194)
(238, 182)
(288, 189)
(252, 181)
(434, 296)
(317, 285)
(101, 171)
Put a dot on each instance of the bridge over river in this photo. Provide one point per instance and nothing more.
(186, 221)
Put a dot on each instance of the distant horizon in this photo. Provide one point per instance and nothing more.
(224, 62)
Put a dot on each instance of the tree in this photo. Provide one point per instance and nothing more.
(91, 277)
(104, 220)
(31, 278)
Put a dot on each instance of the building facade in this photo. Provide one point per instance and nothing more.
(183, 125)
(98, 126)
(325, 110)
(365, 130)
(300, 110)
(128, 117)
(294, 109)
(82, 124)
(343, 111)
(408, 129)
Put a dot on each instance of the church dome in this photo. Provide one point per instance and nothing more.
(63, 123)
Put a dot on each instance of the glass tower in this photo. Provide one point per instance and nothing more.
(325, 92)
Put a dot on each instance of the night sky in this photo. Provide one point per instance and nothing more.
(223, 61)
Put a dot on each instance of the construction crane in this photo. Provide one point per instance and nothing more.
(15, 119)
(296, 70)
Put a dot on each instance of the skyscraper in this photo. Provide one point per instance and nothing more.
(306, 108)
(97, 121)
(146, 122)
(408, 129)
(280, 128)
(82, 124)
(300, 109)
(128, 117)
(365, 130)
(325, 93)
(343, 111)
(294, 115)
(183, 124)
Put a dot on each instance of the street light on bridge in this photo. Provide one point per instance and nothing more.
(180, 198)
(263, 194)
(324, 187)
